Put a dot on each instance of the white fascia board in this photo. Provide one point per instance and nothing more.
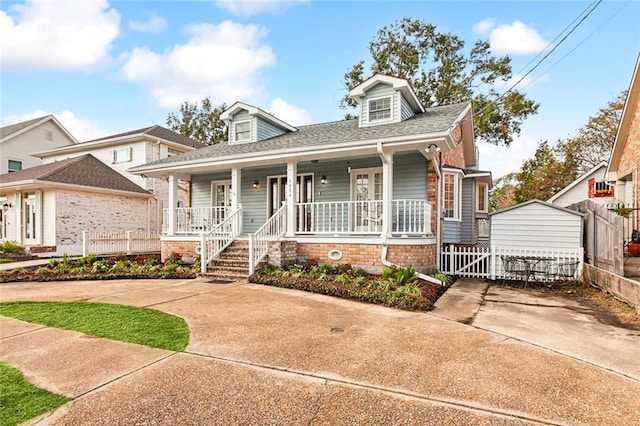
(86, 146)
(36, 124)
(227, 115)
(35, 184)
(578, 180)
(404, 143)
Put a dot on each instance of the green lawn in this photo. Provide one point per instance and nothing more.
(116, 322)
(20, 400)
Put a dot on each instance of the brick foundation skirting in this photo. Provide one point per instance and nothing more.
(369, 256)
(41, 249)
(184, 248)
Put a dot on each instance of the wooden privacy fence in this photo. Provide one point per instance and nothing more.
(603, 236)
(124, 242)
(512, 263)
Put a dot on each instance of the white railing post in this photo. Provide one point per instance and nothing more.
(252, 266)
(203, 253)
(85, 243)
(129, 238)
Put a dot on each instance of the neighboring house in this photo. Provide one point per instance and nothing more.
(536, 225)
(126, 150)
(363, 191)
(19, 141)
(624, 163)
(591, 186)
(47, 207)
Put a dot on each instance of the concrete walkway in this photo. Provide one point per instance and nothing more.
(262, 355)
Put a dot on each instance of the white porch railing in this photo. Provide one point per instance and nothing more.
(194, 220)
(528, 264)
(219, 237)
(260, 241)
(409, 217)
(123, 242)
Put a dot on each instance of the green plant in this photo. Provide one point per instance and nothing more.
(61, 269)
(170, 266)
(406, 275)
(9, 247)
(99, 266)
(53, 263)
(121, 266)
(446, 279)
(343, 279)
(66, 259)
(411, 289)
(91, 259)
(43, 271)
(80, 270)
(359, 272)
(18, 271)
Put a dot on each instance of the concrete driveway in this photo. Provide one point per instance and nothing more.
(262, 355)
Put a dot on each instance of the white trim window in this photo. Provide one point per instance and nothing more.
(379, 109)
(121, 155)
(482, 197)
(451, 202)
(14, 166)
(242, 131)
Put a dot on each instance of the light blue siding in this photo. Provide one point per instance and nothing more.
(406, 110)
(452, 231)
(266, 130)
(409, 176)
(201, 188)
(379, 91)
(468, 211)
(242, 116)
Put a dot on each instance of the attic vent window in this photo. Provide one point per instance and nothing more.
(243, 131)
(48, 134)
(379, 109)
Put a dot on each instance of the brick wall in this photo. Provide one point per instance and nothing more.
(78, 211)
(630, 162)
(283, 253)
(368, 256)
(184, 248)
(454, 157)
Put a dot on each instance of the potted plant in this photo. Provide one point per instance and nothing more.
(634, 244)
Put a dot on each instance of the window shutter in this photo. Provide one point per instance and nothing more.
(113, 156)
(129, 152)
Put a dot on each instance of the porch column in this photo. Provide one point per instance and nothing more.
(236, 178)
(173, 204)
(387, 190)
(292, 174)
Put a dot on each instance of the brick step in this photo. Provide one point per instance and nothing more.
(210, 276)
(225, 255)
(229, 264)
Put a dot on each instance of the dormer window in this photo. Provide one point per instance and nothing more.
(243, 131)
(380, 109)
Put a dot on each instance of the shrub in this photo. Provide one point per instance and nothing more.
(411, 289)
(446, 279)
(18, 271)
(99, 266)
(343, 278)
(61, 269)
(80, 270)
(121, 266)
(53, 263)
(9, 247)
(170, 266)
(43, 270)
(359, 272)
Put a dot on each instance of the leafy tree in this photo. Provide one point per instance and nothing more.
(543, 175)
(442, 72)
(502, 193)
(594, 141)
(199, 122)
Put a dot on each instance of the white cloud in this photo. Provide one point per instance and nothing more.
(82, 130)
(501, 160)
(483, 27)
(255, 7)
(516, 38)
(289, 113)
(154, 24)
(62, 34)
(221, 61)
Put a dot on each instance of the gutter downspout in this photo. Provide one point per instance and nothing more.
(385, 227)
(438, 171)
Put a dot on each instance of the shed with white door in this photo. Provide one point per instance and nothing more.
(537, 225)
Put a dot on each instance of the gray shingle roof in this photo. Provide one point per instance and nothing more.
(433, 120)
(84, 170)
(158, 132)
(13, 128)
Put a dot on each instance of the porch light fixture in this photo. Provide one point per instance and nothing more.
(7, 205)
(323, 179)
(256, 184)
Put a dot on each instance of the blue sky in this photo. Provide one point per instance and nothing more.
(105, 67)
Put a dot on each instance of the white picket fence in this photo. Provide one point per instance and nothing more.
(125, 242)
(512, 263)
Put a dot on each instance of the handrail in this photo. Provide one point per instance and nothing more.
(272, 230)
(219, 238)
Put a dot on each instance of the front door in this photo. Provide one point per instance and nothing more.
(304, 194)
(366, 191)
(29, 216)
(220, 199)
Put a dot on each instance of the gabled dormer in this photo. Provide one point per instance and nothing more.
(383, 99)
(247, 123)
